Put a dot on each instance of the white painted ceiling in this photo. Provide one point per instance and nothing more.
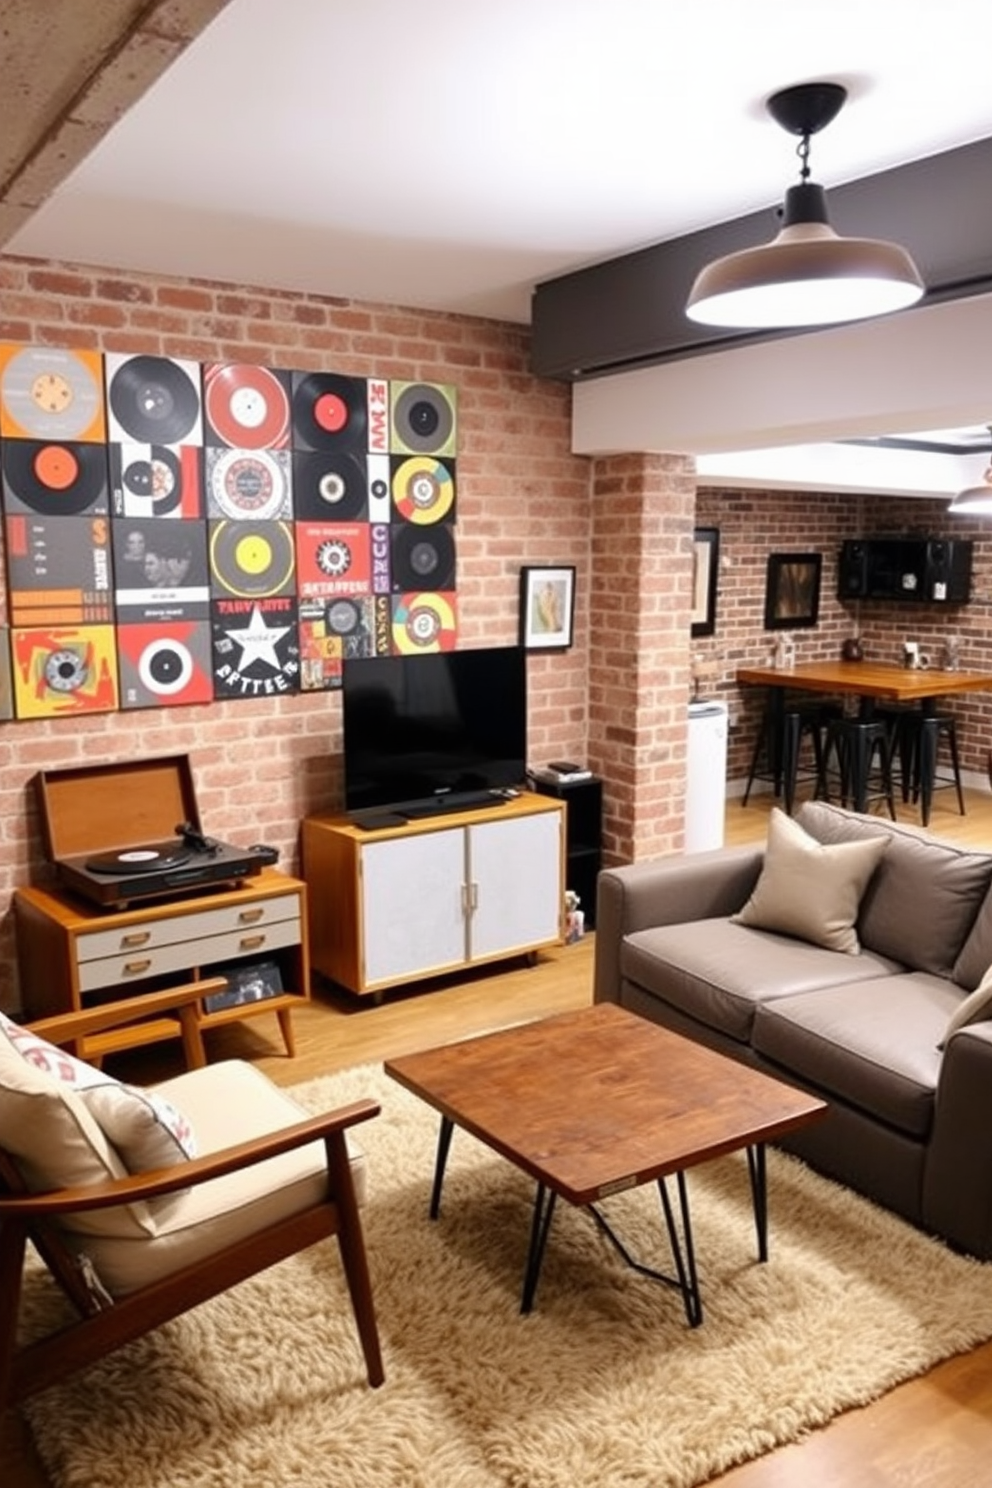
(450, 154)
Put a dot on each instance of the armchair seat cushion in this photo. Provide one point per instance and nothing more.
(225, 1103)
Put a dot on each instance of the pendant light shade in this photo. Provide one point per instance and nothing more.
(808, 275)
(975, 500)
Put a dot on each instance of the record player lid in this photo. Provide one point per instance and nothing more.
(102, 808)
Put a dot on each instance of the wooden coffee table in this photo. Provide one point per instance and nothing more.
(593, 1102)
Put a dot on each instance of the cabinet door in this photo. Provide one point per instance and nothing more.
(411, 903)
(514, 868)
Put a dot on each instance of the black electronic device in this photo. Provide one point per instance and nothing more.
(931, 570)
(419, 729)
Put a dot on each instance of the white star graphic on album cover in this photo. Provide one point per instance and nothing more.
(258, 641)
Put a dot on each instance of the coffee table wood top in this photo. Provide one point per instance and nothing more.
(599, 1100)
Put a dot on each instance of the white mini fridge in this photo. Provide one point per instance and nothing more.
(706, 775)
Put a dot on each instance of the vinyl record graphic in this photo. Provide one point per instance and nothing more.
(165, 665)
(50, 394)
(251, 559)
(329, 412)
(246, 407)
(154, 400)
(424, 559)
(333, 558)
(422, 418)
(63, 669)
(423, 622)
(423, 490)
(329, 487)
(248, 484)
(54, 480)
(155, 480)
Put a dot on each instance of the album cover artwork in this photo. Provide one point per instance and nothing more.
(331, 632)
(424, 622)
(256, 650)
(165, 665)
(153, 399)
(58, 570)
(59, 670)
(422, 418)
(252, 560)
(330, 412)
(6, 686)
(423, 490)
(245, 406)
(161, 569)
(54, 480)
(333, 558)
(249, 485)
(156, 480)
(51, 394)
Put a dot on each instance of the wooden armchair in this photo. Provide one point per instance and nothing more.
(132, 1249)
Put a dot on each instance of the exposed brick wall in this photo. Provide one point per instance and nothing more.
(522, 498)
(642, 522)
(753, 524)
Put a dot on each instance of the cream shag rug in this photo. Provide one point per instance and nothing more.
(603, 1385)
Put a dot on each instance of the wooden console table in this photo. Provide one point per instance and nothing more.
(73, 956)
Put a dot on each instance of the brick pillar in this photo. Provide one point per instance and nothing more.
(642, 523)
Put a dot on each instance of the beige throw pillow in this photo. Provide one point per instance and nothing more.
(811, 890)
(971, 1009)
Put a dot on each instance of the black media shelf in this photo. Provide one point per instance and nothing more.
(583, 836)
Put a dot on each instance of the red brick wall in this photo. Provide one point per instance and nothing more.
(753, 524)
(522, 498)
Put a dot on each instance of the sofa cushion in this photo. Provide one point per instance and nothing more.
(717, 971)
(971, 1009)
(976, 954)
(923, 898)
(872, 1045)
(810, 890)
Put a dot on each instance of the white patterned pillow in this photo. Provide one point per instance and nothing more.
(146, 1130)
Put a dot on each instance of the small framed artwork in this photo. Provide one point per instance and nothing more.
(792, 590)
(705, 566)
(547, 608)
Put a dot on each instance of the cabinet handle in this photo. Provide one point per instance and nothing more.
(251, 942)
(138, 938)
(251, 916)
(135, 968)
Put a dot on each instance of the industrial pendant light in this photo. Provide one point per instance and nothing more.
(975, 500)
(808, 275)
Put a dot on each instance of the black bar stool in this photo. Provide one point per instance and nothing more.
(931, 730)
(861, 749)
(779, 745)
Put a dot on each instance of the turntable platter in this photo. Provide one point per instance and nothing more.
(151, 859)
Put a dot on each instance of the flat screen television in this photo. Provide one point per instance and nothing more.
(420, 729)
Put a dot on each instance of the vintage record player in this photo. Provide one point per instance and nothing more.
(130, 831)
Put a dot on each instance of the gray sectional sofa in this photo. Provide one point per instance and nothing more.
(869, 1027)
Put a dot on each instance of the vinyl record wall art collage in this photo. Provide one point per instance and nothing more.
(181, 533)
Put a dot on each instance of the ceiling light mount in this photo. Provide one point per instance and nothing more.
(808, 275)
(975, 500)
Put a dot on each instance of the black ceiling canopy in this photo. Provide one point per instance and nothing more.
(629, 312)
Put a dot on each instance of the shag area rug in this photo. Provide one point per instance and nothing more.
(602, 1385)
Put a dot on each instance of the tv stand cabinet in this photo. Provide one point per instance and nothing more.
(431, 896)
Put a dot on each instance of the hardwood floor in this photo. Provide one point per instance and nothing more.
(934, 1432)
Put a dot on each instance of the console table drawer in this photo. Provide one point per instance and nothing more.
(150, 934)
(137, 963)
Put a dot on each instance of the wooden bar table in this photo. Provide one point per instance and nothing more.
(870, 682)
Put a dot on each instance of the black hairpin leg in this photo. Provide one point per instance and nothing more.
(544, 1208)
(685, 1281)
(759, 1196)
(440, 1161)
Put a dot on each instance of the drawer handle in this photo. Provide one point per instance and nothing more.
(138, 938)
(252, 942)
(135, 968)
(251, 916)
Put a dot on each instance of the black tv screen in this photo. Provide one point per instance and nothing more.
(419, 728)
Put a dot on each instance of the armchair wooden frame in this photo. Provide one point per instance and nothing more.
(106, 1323)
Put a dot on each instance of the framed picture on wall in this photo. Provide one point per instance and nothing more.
(547, 608)
(792, 590)
(705, 564)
